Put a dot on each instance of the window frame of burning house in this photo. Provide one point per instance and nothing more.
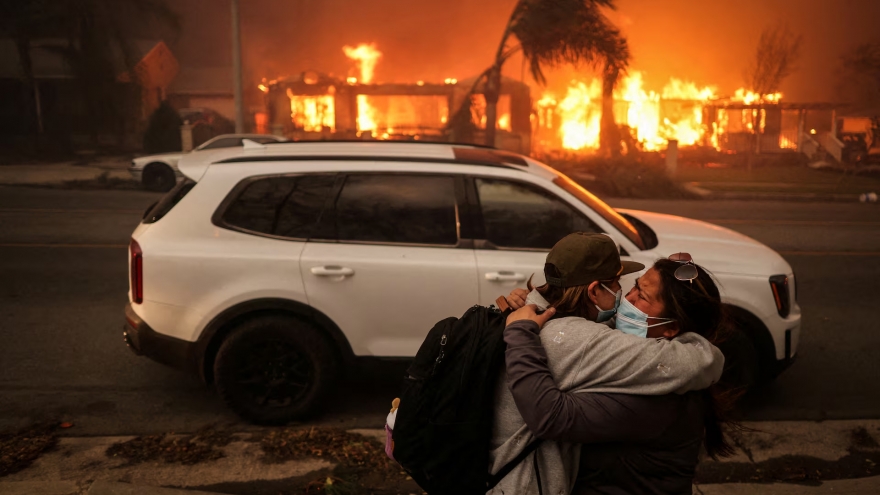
(518, 229)
(285, 200)
(332, 228)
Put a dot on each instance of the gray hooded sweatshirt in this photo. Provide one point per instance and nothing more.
(585, 356)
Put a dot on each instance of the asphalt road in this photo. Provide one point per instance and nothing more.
(63, 282)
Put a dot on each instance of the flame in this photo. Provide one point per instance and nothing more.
(367, 56)
(504, 121)
(653, 118)
(312, 113)
(750, 97)
(580, 113)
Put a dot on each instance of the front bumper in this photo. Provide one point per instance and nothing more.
(144, 341)
(136, 173)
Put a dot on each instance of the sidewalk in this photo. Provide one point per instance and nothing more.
(811, 458)
(57, 174)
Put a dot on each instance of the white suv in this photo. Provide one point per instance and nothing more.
(272, 267)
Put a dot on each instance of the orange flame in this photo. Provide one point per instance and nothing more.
(654, 118)
(367, 56)
(312, 113)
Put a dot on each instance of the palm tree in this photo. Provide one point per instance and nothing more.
(554, 32)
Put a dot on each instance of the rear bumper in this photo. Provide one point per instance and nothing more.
(136, 173)
(144, 341)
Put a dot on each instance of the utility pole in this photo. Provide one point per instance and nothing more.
(236, 69)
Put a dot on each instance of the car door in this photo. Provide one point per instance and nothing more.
(387, 262)
(517, 225)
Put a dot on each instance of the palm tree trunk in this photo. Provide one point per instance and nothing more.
(492, 90)
(609, 134)
(492, 93)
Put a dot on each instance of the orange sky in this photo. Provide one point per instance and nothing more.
(708, 41)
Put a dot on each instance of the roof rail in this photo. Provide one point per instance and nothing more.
(377, 141)
(372, 158)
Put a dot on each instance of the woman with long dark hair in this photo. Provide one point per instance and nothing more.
(631, 443)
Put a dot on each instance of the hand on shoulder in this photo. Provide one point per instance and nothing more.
(530, 313)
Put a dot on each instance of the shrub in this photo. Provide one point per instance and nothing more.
(163, 130)
(633, 176)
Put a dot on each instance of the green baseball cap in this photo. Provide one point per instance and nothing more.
(583, 258)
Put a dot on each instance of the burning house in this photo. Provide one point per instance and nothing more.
(314, 106)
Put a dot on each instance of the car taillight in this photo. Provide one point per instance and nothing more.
(137, 272)
(779, 286)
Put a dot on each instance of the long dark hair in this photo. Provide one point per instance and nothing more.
(696, 307)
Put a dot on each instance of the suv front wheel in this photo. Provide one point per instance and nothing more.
(273, 369)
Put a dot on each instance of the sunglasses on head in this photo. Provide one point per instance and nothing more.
(688, 270)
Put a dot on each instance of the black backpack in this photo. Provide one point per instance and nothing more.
(444, 422)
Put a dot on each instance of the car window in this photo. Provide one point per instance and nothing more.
(410, 209)
(222, 143)
(169, 201)
(523, 216)
(283, 206)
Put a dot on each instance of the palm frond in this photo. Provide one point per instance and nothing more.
(553, 32)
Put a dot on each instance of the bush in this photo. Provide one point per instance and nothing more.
(163, 131)
(633, 176)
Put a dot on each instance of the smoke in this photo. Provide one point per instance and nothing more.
(706, 42)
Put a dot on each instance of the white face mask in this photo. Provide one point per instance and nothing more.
(634, 321)
(607, 314)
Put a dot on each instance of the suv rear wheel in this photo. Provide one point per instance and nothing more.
(274, 369)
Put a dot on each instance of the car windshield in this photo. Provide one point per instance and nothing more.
(599, 206)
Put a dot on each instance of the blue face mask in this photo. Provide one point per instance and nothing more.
(634, 321)
(607, 314)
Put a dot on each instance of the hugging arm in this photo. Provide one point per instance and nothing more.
(553, 414)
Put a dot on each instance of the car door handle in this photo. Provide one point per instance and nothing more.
(505, 276)
(332, 271)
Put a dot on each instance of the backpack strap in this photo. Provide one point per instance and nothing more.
(504, 471)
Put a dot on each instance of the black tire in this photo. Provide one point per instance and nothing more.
(158, 177)
(742, 369)
(273, 369)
